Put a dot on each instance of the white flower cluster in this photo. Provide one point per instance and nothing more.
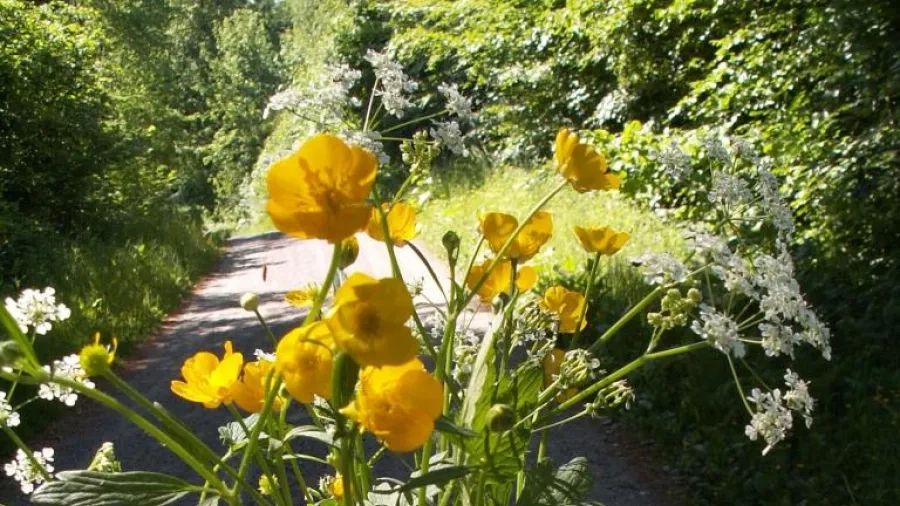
(715, 148)
(263, 355)
(37, 309)
(745, 149)
(720, 330)
(773, 203)
(731, 268)
(676, 162)
(326, 95)
(8, 417)
(69, 368)
(773, 417)
(456, 103)
(23, 470)
(394, 82)
(448, 134)
(782, 303)
(369, 140)
(577, 367)
(661, 268)
(729, 190)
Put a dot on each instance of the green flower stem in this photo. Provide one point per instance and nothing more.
(561, 422)
(427, 265)
(369, 107)
(625, 370)
(512, 237)
(173, 425)
(415, 120)
(627, 317)
(173, 445)
(326, 286)
(587, 293)
(273, 385)
(347, 469)
(737, 383)
(260, 459)
(542, 446)
(472, 263)
(28, 453)
(215, 469)
(267, 329)
(395, 269)
(755, 375)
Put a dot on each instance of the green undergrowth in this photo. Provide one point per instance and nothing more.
(456, 203)
(120, 283)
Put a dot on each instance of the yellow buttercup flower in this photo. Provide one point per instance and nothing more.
(369, 320)
(250, 393)
(499, 278)
(96, 358)
(320, 191)
(603, 240)
(209, 380)
(552, 364)
(304, 358)
(401, 218)
(581, 164)
(336, 487)
(303, 297)
(498, 227)
(398, 404)
(566, 305)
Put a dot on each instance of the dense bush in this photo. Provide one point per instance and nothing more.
(813, 86)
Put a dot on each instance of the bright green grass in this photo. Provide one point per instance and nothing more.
(515, 191)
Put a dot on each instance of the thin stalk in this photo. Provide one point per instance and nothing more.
(756, 376)
(267, 329)
(323, 292)
(433, 274)
(625, 370)
(561, 422)
(273, 384)
(627, 317)
(587, 293)
(737, 383)
(28, 453)
(369, 107)
(512, 237)
(260, 459)
(413, 121)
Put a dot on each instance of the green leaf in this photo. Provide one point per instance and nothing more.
(547, 486)
(438, 477)
(89, 488)
(478, 398)
(445, 425)
(309, 432)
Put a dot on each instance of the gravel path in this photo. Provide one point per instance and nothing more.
(623, 475)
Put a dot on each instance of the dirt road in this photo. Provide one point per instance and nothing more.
(212, 315)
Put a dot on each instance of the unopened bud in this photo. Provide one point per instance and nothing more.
(501, 417)
(500, 301)
(250, 301)
(695, 295)
(451, 244)
(349, 251)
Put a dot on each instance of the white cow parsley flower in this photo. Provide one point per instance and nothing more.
(394, 82)
(37, 309)
(715, 148)
(24, 471)
(772, 419)
(448, 134)
(720, 330)
(661, 268)
(70, 368)
(264, 356)
(456, 103)
(676, 162)
(797, 397)
(8, 416)
(729, 190)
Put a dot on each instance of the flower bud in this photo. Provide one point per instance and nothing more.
(250, 302)
(451, 244)
(500, 301)
(501, 417)
(349, 251)
(695, 295)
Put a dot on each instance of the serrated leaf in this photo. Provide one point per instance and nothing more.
(232, 434)
(90, 488)
(437, 477)
(445, 425)
(309, 432)
(545, 485)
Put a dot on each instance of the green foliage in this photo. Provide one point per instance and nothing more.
(813, 85)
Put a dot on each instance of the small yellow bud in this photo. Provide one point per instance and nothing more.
(267, 485)
(250, 301)
(96, 358)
